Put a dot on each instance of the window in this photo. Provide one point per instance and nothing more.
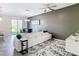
(16, 26)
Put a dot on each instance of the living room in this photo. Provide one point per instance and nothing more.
(44, 29)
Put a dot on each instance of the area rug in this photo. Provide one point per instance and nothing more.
(53, 47)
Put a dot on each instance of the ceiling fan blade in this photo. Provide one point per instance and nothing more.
(48, 7)
(51, 8)
(46, 4)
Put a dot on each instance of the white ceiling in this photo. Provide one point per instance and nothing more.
(19, 9)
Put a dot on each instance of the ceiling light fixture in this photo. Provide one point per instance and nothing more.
(27, 20)
(48, 7)
(47, 10)
(0, 18)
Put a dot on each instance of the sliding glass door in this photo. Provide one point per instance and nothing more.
(16, 26)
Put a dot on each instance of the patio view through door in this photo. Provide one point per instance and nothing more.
(16, 26)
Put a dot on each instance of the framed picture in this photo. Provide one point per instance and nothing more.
(36, 22)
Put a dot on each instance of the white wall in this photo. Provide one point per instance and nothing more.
(24, 25)
(5, 25)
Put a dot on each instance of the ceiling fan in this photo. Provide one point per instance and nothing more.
(48, 7)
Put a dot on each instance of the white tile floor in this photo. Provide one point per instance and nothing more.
(6, 47)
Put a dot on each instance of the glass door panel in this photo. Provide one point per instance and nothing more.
(16, 26)
(19, 26)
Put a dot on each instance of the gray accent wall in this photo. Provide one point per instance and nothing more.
(62, 22)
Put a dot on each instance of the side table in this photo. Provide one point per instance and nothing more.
(24, 46)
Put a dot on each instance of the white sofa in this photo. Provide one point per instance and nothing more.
(33, 39)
